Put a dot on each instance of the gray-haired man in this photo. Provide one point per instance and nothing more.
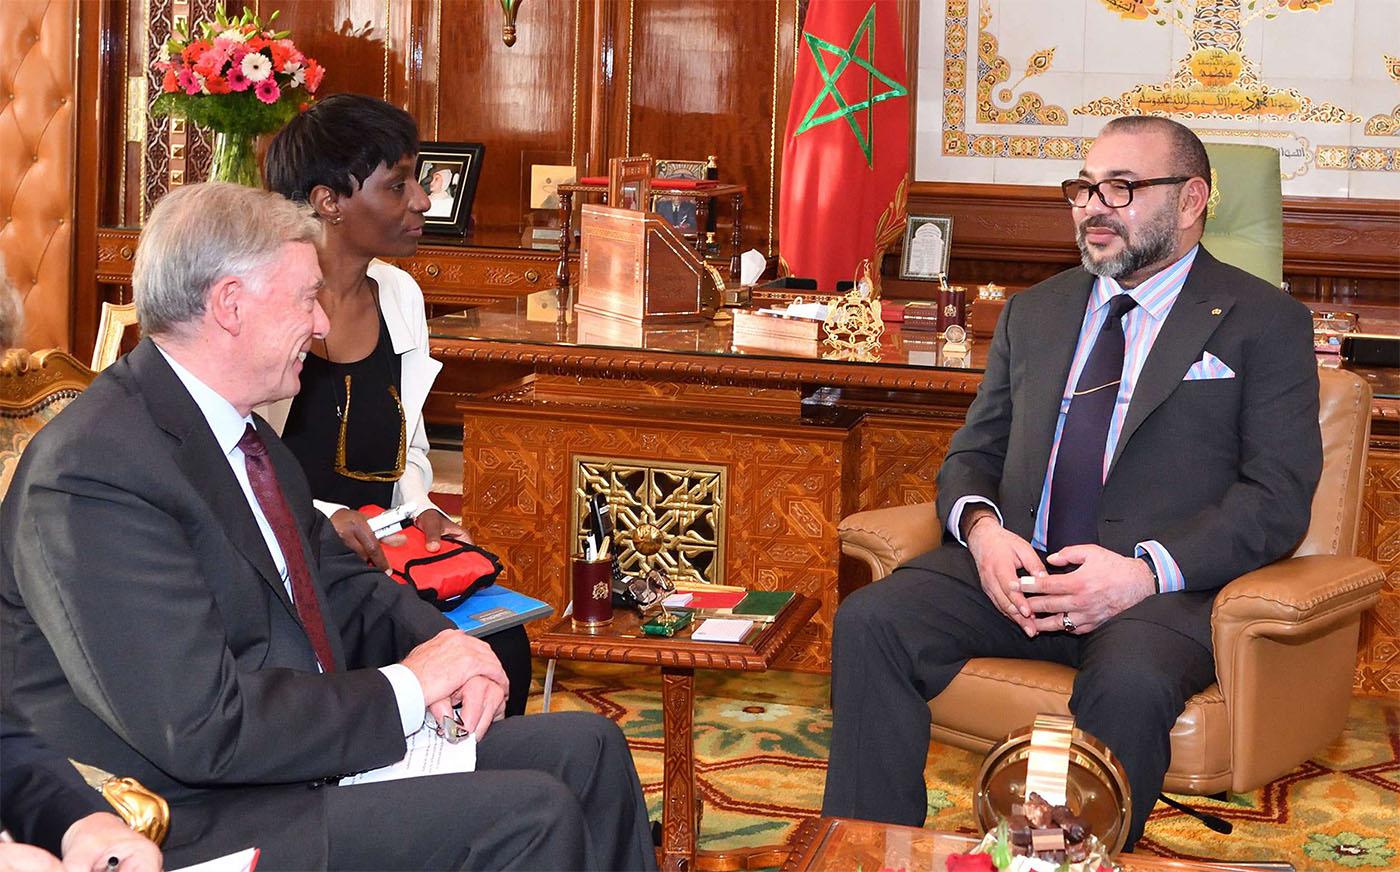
(174, 609)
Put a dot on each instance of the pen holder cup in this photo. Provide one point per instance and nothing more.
(592, 590)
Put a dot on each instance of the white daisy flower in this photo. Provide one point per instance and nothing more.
(256, 66)
(233, 35)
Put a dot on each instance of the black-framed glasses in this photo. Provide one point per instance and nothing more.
(1113, 193)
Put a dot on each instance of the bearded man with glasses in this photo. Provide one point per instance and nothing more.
(1146, 431)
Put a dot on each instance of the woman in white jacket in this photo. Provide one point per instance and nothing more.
(357, 424)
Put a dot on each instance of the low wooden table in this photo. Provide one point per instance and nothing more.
(622, 641)
(841, 845)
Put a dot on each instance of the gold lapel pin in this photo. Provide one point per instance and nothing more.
(1216, 311)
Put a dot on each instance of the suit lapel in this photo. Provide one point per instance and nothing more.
(201, 461)
(1056, 322)
(1198, 311)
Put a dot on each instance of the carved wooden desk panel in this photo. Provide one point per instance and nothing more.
(535, 385)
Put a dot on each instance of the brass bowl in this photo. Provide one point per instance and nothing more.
(1096, 785)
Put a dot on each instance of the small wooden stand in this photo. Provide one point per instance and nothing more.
(635, 266)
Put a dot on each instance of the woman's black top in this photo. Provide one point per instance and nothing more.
(372, 436)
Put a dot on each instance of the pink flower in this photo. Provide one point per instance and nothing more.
(190, 82)
(236, 80)
(267, 90)
(314, 72)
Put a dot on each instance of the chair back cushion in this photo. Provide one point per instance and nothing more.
(33, 389)
(1244, 226)
(1344, 414)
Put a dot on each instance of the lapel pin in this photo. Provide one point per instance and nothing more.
(1216, 311)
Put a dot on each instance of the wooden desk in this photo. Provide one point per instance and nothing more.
(806, 437)
(701, 196)
(622, 641)
(840, 845)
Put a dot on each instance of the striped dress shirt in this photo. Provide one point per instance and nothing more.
(1155, 298)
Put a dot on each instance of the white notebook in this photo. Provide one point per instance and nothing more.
(721, 630)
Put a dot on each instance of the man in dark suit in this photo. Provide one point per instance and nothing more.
(175, 609)
(1146, 430)
(51, 812)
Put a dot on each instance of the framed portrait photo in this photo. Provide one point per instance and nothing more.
(448, 172)
(927, 243)
(679, 212)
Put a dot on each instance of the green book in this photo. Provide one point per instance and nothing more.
(762, 603)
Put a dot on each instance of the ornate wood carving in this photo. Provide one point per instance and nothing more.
(785, 496)
(1378, 660)
(678, 794)
(899, 460)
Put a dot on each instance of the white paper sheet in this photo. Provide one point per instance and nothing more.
(241, 861)
(428, 754)
(721, 630)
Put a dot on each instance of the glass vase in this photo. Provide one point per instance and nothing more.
(235, 159)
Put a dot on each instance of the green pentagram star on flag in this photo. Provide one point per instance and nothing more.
(831, 77)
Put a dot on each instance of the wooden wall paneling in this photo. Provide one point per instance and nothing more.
(355, 42)
(100, 109)
(702, 81)
(521, 100)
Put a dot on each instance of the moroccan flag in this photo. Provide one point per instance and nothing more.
(846, 154)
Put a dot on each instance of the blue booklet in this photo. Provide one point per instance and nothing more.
(496, 608)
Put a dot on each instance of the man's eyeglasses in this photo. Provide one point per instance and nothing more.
(1113, 193)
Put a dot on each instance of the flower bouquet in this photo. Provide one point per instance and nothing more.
(238, 78)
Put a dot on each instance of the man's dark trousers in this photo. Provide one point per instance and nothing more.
(900, 641)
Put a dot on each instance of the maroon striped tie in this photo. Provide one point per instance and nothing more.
(279, 515)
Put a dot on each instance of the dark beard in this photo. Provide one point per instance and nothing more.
(1154, 243)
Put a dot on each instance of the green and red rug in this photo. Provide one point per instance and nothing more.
(761, 743)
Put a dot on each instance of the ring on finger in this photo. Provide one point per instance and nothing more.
(1067, 623)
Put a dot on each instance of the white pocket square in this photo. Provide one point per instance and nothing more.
(1209, 366)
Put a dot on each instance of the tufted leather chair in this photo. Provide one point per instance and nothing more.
(38, 69)
(1285, 635)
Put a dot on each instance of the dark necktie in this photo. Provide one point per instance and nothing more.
(1077, 483)
(279, 515)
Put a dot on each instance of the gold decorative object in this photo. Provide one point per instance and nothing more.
(509, 8)
(665, 515)
(1213, 201)
(144, 810)
(853, 322)
(991, 291)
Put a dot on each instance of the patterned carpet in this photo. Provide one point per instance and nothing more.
(761, 746)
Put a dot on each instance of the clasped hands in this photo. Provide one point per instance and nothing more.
(1015, 580)
(455, 669)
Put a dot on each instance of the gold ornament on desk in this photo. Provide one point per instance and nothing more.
(853, 322)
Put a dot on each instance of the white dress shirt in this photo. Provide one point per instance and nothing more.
(228, 427)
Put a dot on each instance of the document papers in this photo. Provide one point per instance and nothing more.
(428, 754)
(721, 630)
(242, 861)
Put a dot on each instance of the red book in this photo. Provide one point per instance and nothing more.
(715, 599)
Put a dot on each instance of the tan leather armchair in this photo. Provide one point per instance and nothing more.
(1285, 635)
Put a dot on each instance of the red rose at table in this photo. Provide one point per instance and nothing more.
(970, 863)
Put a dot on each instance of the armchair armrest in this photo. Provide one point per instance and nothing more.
(885, 538)
(1285, 655)
(1295, 597)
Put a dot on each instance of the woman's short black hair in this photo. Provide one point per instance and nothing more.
(338, 143)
